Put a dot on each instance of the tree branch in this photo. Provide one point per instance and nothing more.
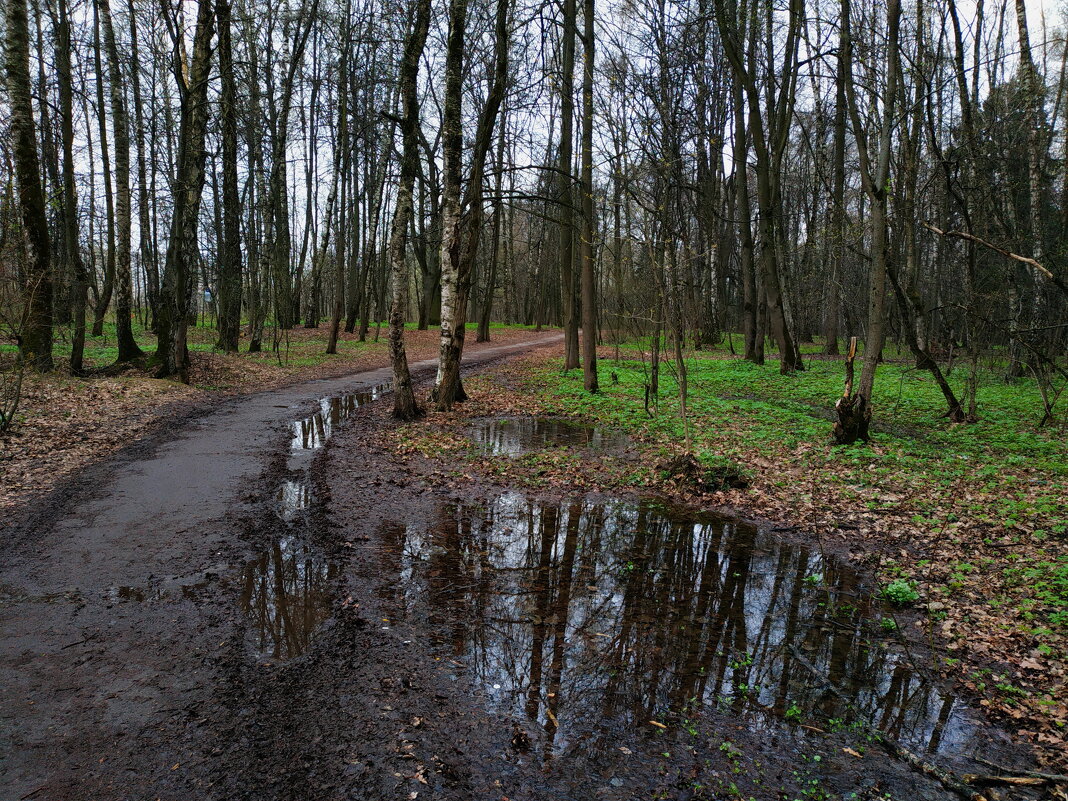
(1008, 253)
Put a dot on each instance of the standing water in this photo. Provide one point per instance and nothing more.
(588, 615)
(511, 436)
(286, 589)
(310, 434)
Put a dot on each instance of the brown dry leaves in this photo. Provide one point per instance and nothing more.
(64, 423)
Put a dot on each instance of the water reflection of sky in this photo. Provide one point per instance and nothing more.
(312, 432)
(600, 613)
(287, 588)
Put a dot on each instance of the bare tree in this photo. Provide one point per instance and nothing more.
(738, 26)
(586, 245)
(404, 403)
(35, 329)
(462, 217)
(854, 410)
(565, 195)
(127, 345)
(230, 246)
(182, 249)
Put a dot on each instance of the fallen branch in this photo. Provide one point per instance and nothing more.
(948, 779)
(1025, 781)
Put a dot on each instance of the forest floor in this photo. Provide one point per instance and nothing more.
(65, 423)
(965, 525)
(286, 595)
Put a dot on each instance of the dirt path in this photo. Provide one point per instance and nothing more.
(114, 642)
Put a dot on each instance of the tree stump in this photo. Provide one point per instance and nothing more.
(852, 411)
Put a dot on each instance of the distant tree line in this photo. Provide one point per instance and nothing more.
(686, 172)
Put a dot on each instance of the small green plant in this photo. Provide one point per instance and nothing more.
(888, 624)
(901, 592)
(737, 664)
(793, 713)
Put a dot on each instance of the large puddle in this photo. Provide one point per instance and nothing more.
(589, 615)
(512, 436)
(311, 433)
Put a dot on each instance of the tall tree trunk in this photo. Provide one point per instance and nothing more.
(589, 281)
(486, 311)
(259, 218)
(80, 279)
(452, 148)
(35, 327)
(460, 232)
(182, 247)
(311, 319)
(754, 340)
(855, 410)
(1034, 91)
(230, 245)
(833, 288)
(124, 338)
(104, 299)
(146, 246)
(770, 137)
(404, 404)
(341, 170)
(565, 196)
(281, 244)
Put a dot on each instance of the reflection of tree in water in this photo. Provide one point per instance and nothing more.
(286, 595)
(514, 435)
(312, 432)
(586, 612)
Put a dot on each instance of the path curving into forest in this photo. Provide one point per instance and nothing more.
(109, 633)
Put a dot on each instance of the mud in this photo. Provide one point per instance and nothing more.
(623, 647)
(268, 607)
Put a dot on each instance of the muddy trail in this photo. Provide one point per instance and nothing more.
(116, 618)
(270, 607)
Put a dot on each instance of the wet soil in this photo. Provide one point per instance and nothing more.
(272, 607)
(619, 646)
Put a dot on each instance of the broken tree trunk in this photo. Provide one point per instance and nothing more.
(852, 410)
